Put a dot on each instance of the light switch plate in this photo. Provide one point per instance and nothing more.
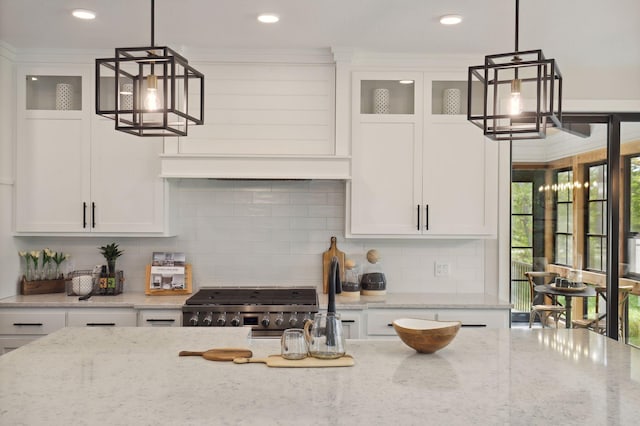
(442, 269)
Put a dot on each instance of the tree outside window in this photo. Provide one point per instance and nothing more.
(596, 232)
(564, 217)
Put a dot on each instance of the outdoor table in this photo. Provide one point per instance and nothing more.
(568, 293)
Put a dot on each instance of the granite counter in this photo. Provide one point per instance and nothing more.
(133, 376)
(142, 301)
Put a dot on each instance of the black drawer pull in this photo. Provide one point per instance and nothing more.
(28, 324)
(348, 321)
(161, 320)
(474, 325)
(101, 324)
(389, 325)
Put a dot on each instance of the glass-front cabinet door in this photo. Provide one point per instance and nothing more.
(53, 148)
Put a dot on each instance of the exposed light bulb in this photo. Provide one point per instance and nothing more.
(151, 98)
(516, 100)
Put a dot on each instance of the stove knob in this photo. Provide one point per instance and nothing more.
(235, 321)
(194, 319)
(208, 318)
(279, 319)
(265, 320)
(293, 320)
(222, 320)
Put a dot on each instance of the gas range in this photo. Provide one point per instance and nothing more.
(267, 310)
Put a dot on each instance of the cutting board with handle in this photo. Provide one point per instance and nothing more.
(222, 354)
(308, 362)
(326, 264)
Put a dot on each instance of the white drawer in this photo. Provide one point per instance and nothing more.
(490, 318)
(101, 318)
(379, 323)
(31, 321)
(8, 344)
(159, 318)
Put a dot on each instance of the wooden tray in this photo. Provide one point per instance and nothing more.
(308, 362)
(569, 289)
(42, 286)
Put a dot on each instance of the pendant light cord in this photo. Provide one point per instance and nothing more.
(517, 21)
(153, 8)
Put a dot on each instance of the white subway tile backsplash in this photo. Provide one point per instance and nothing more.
(244, 232)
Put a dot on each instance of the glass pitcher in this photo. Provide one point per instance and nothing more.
(325, 336)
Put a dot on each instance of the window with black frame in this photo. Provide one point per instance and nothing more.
(596, 223)
(632, 222)
(564, 217)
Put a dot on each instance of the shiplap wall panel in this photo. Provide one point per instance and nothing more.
(265, 109)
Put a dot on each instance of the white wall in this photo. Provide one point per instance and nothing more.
(274, 233)
(9, 261)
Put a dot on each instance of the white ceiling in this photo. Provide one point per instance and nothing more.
(575, 32)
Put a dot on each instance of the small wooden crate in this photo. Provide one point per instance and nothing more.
(41, 286)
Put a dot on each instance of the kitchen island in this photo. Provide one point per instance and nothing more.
(133, 376)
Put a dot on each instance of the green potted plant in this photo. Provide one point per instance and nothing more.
(111, 253)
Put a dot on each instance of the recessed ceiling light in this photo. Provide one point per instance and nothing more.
(450, 19)
(268, 18)
(84, 14)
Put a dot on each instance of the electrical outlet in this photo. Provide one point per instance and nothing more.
(442, 269)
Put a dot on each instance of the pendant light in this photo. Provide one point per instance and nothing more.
(515, 95)
(149, 91)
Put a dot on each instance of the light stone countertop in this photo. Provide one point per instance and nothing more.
(133, 376)
(142, 301)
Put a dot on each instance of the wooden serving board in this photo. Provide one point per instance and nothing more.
(308, 362)
(326, 264)
(222, 354)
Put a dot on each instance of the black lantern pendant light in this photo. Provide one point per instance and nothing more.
(149, 91)
(521, 93)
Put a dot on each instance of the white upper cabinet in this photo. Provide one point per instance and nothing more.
(418, 169)
(75, 174)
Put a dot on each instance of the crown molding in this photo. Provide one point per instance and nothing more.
(7, 51)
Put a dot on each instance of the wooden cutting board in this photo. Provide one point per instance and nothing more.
(326, 264)
(222, 354)
(308, 362)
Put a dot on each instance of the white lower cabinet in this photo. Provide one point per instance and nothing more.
(489, 318)
(160, 318)
(352, 324)
(21, 326)
(380, 321)
(96, 317)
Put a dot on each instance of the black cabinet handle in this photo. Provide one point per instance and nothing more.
(161, 320)
(426, 216)
(84, 215)
(101, 324)
(27, 324)
(93, 215)
(418, 217)
(389, 325)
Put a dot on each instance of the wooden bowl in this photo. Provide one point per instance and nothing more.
(426, 336)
